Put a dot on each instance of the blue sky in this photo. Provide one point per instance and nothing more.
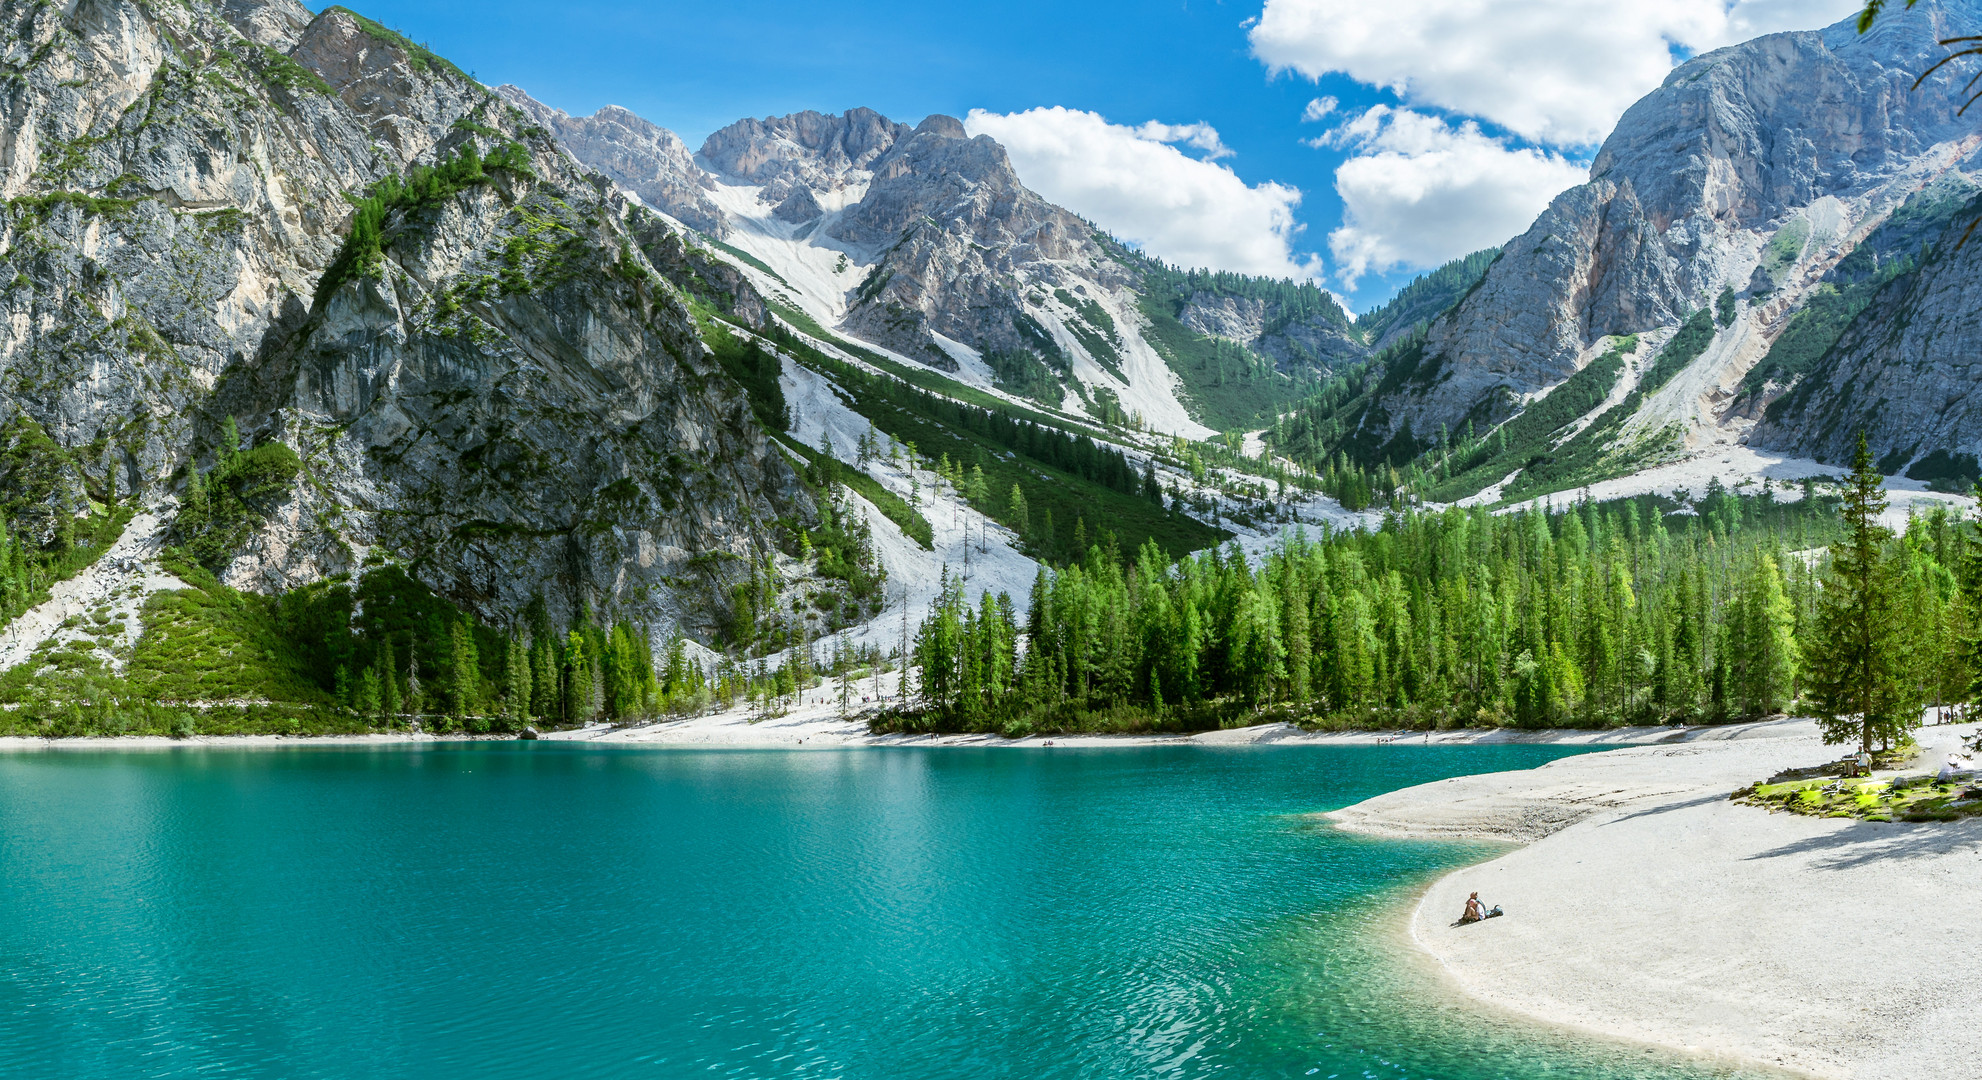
(1495, 115)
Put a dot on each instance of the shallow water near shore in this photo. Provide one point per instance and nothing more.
(526, 910)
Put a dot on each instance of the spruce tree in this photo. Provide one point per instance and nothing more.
(1968, 574)
(370, 693)
(1858, 666)
(577, 680)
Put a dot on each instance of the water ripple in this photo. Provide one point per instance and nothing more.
(525, 910)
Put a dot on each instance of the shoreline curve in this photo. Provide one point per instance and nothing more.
(1644, 905)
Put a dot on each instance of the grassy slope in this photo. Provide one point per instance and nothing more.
(1590, 457)
(1224, 385)
(1526, 439)
(1069, 498)
(211, 660)
(929, 378)
(911, 522)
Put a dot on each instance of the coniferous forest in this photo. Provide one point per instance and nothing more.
(1641, 611)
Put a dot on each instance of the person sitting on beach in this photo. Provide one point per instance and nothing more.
(1475, 911)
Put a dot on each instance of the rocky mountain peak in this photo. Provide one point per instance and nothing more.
(639, 155)
(234, 217)
(1685, 194)
(937, 124)
(821, 151)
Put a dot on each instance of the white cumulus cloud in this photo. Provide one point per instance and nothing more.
(1203, 136)
(1554, 71)
(1418, 191)
(1318, 108)
(1136, 183)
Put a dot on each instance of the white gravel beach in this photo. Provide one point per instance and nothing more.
(1646, 905)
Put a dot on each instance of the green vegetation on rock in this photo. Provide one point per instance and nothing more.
(221, 508)
(420, 56)
(1426, 297)
(362, 253)
(1527, 440)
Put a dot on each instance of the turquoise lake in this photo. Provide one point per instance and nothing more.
(494, 910)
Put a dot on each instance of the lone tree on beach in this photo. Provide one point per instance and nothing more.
(1860, 670)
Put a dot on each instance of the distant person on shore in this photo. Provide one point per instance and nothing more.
(1475, 911)
(1864, 763)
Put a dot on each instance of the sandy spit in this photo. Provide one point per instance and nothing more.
(1646, 905)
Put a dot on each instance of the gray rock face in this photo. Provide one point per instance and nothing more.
(959, 234)
(645, 158)
(942, 240)
(800, 206)
(514, 401)
(810, 149)
(1292, 344)
(692, 268)
(1905, 372)
(1732, 142)
(954, 228)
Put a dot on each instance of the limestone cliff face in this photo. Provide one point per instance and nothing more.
(1905, 373)
(941, 220)
(1689, 189)
(960, 237)
(510, 397)
(810, 150)
(1294, 343)
(645, 158)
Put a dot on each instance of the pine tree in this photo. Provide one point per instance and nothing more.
(1858, 666)
(546, 690)
(370, 692)
(1968, 574)
(577, 680)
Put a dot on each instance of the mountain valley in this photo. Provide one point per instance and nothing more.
(414, 374)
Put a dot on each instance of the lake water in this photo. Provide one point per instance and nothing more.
(508, 909)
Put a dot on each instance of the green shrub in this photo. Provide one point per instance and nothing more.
(221, 508)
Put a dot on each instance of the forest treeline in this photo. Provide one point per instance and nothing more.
(1595, 615)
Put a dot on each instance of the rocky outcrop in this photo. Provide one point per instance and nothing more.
(695, 270)
(1904, 372)
(958, 238)
(806, 149)
(799, 206)
(1293, 343)
(506, 393)
(1686, 193)
(643, 157)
